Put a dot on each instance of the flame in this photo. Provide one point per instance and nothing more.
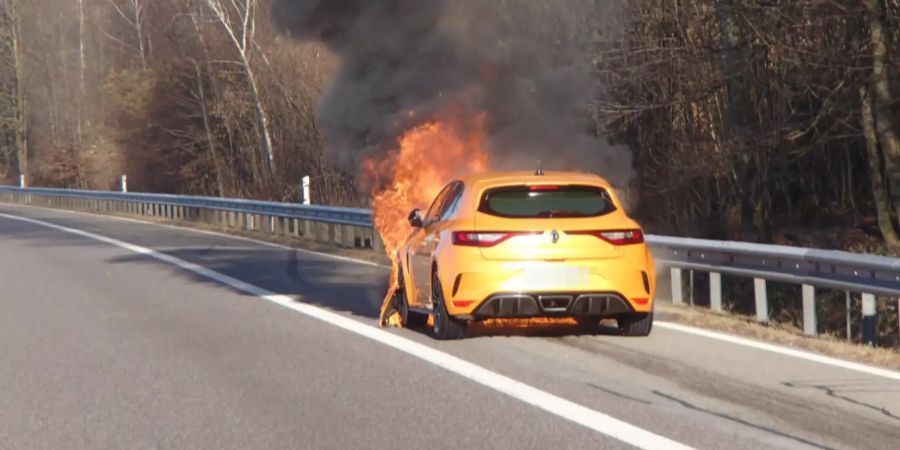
(426, 158)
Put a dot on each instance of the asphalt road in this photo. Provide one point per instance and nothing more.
(102, 347)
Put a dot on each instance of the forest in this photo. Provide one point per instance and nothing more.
(759, 120)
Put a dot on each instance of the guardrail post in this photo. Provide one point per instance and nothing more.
(296, 227)
(715, 291)
(349, 236)
(810, 324)
(869, 312)
(762, 301)
(849, 315)
(677, 286)
(377, 243)
(337, 234)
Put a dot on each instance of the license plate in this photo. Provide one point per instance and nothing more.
(555, 276)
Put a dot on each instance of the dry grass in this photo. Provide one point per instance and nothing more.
(789, 336)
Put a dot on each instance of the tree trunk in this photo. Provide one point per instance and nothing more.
(21, 99)
(210, 140)
(262, 118)
(885, 121)
(82, 97)
(736, 115)
(879, 190)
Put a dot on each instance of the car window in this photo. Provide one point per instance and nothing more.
(436, 207)
(452, 203)
(546, 202)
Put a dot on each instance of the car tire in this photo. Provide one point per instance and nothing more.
(408, 319)
(638, 324)
(445, 326)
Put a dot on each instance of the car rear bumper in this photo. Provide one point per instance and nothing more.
(475, 287)
(555, 304)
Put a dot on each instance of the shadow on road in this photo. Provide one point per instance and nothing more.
(337, 285)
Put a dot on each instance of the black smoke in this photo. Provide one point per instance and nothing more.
(525, 63)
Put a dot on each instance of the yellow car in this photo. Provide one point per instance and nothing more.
(523, 245)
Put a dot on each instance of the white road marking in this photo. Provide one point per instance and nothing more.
(592, 419)
(800, 354)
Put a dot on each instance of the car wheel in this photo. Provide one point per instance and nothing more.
(636, 324)
(445, 326)
(408, 319)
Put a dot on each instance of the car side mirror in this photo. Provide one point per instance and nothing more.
(415, 218)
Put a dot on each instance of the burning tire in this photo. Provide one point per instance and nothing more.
(445, 327)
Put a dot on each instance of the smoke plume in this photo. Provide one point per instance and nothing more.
(525, 64)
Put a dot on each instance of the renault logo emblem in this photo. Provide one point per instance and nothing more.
(554, 235)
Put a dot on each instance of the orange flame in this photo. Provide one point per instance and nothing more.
(428, 157)
(425, 160)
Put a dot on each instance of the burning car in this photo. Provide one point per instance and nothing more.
(524, 245)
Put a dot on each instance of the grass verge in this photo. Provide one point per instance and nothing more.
(787, 336)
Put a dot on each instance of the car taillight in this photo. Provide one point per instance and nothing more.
(615, 237)
(485, 238)
(542, 187)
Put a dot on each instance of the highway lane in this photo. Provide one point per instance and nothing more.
(110, 349)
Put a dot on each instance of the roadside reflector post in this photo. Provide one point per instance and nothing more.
(677, 286)
(21, 181)
(869, 316)
(124, 183)
(810, 326)
(306, 200)
(762, 301)
(715, 291)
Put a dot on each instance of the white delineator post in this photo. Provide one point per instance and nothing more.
(869, 312)
(124, 183)
(306, 199)
(22, 181)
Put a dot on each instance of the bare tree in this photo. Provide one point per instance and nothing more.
(238, 19)
(133, 14)
(885, 121)
(21, 101)
(879, 190)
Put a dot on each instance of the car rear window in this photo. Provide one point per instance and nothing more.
(546, 201)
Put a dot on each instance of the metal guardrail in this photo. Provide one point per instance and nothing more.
(869, 275)
(348, 227)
